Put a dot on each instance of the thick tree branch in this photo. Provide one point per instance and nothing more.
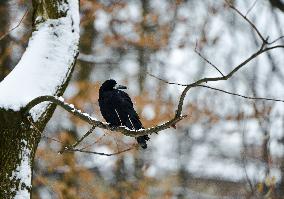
(87, 118)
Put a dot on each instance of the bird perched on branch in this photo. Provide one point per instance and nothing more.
(117, 109)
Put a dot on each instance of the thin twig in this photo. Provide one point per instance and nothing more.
(277, 39)
(252, 6)
(40, 133)
(7, 33)
(243, 96)
(98, 153)
(165, 81)
(72, 148)
(95, 142)
(53, 139)
(84, 136)
(210, 63)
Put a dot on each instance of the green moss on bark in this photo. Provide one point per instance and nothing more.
(48, 9)
(14, 132)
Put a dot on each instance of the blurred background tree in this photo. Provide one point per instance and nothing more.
(228, 147)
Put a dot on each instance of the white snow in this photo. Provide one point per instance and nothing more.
(45, 64)
(23, 173)
(61, 99)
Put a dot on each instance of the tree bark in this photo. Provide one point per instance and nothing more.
(18, 137)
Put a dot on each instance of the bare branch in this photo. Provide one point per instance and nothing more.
(212, 79)
(165, 81)
(217, 89)
(7, 33)
(50, 138)
(243, 96)
(277, 39)
(200, 55)
(96, 141)
(252, 6)
(238, 67)
(264, 41)
(98, 153)
(84, 136)
(72, 148)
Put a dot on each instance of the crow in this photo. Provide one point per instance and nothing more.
(117, 109)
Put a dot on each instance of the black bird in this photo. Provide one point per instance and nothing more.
(117, 109)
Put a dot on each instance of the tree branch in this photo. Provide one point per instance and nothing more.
(249, 21)
(72, 147)
(212, 79)
(9, 31)
(217, 89)
(210, 63)
(97, 153)
(264, 41)
(96, 123)
(84, 136)
(243, 96)
(251, 7)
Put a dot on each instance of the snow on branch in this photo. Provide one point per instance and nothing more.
(47, 62)
(96, 123)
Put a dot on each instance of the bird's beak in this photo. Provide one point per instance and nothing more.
(120, 87)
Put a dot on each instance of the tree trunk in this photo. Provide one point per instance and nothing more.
(55, 46)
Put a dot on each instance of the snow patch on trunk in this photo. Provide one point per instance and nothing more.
(46, 63)
(23, 173)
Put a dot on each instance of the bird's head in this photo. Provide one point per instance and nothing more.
(111, 84)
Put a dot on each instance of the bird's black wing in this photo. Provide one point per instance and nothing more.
(126, 111)
(117, 109)
(129, 116)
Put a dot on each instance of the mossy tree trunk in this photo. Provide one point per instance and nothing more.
(18, 138)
